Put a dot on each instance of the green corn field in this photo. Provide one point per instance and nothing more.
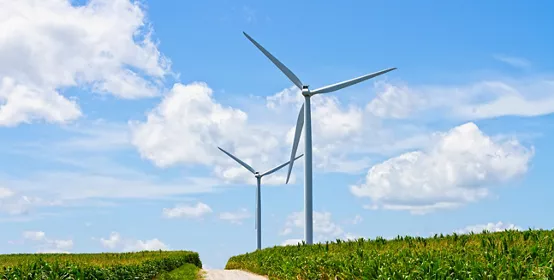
(139, 265)
(501, 255)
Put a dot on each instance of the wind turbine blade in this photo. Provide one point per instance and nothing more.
(277, 63)
(239, 161)
(348, 83)
(280, 166)
(297, 133)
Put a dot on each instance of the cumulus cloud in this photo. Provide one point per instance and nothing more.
(395, 101)
(188, 126)
(329, 119)
(339, 131)
(235, 217)
(187, 211)
(458, 168)
(47, 46)
(490, 227)
(288, 97)
(324, 227)
(47, 245)
(115, 241)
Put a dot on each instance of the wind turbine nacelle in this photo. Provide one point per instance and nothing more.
(305, 90)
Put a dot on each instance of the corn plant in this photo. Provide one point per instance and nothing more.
(500, 255)
(139, 265)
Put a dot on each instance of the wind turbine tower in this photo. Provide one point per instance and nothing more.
(305, 117)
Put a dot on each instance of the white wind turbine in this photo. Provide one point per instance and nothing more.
(258, 191)
(305, 117)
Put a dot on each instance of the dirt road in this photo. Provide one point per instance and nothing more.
(221, 274)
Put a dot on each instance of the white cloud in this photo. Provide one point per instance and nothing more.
(488, 98)
(459, 168)
(291, 242)
(132, 245)
(15, 203)
(329, 120)
(95, 136)
(73, 188)
(186, 211)
(344, 135)
(63, 244)
(351, 237)
(235, 217)
(491, 227)
(5, 193)
(394, 101)
(46, 245)
(148, 245)
(346, 138)
(112, 242)
(322, 239)
(286, 98)
(334, 123)
(339, 131)
(22, 104)
(286, 231)
(513, 61)
(323, 227)
(188, 126)
(34, 235)
(239, 174)
(525, 98)
(47, 46)
(357, 219)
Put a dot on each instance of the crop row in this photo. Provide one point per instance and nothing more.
(501, 255)
(139, 265)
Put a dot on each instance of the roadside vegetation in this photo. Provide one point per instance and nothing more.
(501, 255)
(140, 265)
(186, 272)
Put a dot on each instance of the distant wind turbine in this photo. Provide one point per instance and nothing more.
(307, 119)
(258, 191)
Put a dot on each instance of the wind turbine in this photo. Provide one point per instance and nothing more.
(305, 117)
(258, 191)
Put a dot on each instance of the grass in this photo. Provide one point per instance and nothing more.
(185, 272)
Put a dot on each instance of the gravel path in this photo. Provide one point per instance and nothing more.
(222, 274)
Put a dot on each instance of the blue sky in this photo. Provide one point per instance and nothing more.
(111, 112)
